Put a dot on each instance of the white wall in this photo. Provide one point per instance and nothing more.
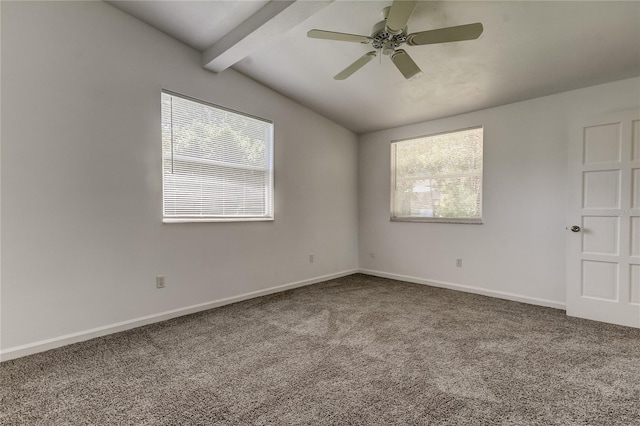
(82, 235)
(82, 238)
(520, 248)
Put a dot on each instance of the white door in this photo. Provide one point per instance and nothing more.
(603, 258)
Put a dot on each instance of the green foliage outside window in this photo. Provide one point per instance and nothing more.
(439, 176)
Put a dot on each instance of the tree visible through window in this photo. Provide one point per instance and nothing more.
(438, 178)
(216, 163)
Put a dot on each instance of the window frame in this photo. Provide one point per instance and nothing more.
(268, 217)
(422, 219)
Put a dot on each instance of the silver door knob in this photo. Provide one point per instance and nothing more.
(575, 228)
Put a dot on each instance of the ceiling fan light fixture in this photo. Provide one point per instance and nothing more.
(388, 48)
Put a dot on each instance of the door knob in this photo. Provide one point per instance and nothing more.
(575, 228)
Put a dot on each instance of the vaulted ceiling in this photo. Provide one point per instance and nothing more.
(527, 50)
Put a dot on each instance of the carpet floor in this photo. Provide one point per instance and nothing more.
(358, 350)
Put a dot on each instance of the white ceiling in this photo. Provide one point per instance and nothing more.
(527, 50)
(196, 23)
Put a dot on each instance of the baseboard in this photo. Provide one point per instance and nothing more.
(468, 289)
(56, 342)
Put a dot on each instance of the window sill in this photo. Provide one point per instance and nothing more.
(215, 219)
(437, 220)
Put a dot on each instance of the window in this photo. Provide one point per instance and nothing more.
(217, 164)
(438, 178)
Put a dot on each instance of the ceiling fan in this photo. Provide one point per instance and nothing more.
(391, 33)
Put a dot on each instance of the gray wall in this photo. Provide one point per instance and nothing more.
(82, 237)
(519, 251)
(82, 232)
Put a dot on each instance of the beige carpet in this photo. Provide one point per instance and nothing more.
(358, 350)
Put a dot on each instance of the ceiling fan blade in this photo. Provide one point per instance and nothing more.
(405, 64)
(399, 15)
(364, 60)
(445, 35)
(331, 35)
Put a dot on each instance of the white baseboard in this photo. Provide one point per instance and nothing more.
(56, 342)
(468, 289)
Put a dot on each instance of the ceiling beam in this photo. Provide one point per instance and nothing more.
(272, 20)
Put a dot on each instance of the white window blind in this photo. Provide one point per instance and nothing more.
(217, 164)
(438, 178)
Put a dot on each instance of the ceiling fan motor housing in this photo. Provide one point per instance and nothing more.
(384, 41)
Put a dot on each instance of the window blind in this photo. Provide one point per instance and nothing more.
(438, 177)
(216, 163)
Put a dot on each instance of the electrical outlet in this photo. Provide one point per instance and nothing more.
(372, 255)
(459, 263)
(160, 282)
(312, 258)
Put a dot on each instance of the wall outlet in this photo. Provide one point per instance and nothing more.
(372, 255)
(159, 282)
(312, 258)
(459, 263)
